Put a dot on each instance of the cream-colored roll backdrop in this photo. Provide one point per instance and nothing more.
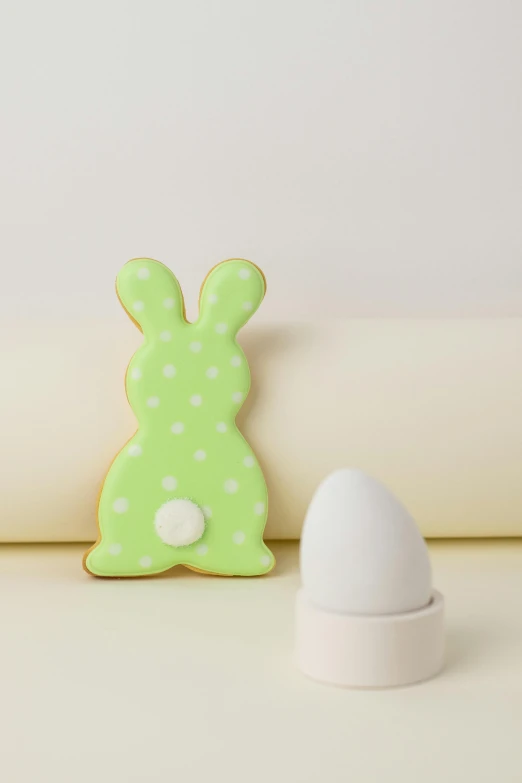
(431, 407)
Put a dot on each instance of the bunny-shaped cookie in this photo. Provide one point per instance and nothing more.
(186, 489)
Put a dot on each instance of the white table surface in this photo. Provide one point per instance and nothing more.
(190, 678)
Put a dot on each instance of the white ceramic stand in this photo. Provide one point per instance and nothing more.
(377, 651)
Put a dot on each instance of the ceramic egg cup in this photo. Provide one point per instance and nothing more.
(367, 615)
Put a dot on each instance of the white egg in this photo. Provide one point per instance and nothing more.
(361, 551)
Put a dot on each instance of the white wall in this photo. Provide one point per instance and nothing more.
(367, 154)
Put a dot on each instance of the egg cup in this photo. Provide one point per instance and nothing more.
(367, 615)
(370, 651)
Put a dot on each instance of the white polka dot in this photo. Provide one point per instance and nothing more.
(207, 512)
(247, 306)
(177, 428)
(212, 372)
(244, 274)
(138, 306)
(115, 549)
(166, 336)
(238, 537)
(200, 455)
(202, 549)
(169, 371)
(265, 560)
(153, 402)
(195, 347)
(168, 303)
(221, 426)
(169, 483)
(231, 486)
(143, 273)
(135, 373)
(221, 328)
(120, 505)
(259, 509)
(237, 397)
(196, 400)
(235, 361)
(145, 561)
(212, 298)
(135, 450)
(249, 462)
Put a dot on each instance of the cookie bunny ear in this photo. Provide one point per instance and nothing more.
(151, 295)
(231, 294)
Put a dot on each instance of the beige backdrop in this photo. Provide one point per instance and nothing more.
(432, 408)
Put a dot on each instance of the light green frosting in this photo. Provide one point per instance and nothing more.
(185, 384)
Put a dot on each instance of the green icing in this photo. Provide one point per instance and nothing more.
(185, 384)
